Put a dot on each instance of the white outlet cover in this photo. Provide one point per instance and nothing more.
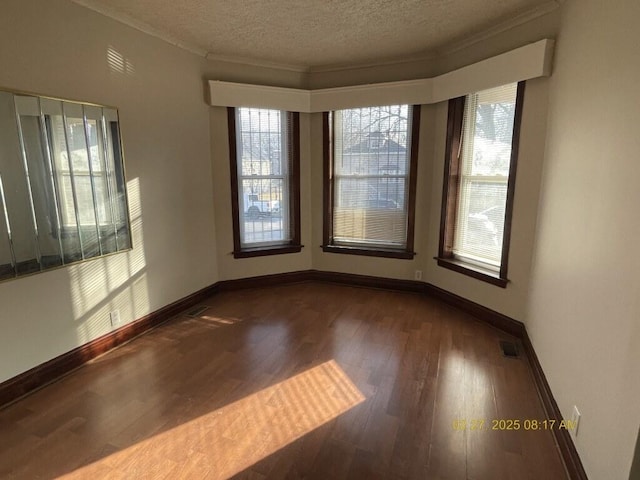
(418, 275)
(575, 420)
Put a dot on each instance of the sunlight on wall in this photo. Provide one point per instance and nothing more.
(226, 441)
(116, 282)
(118, 63)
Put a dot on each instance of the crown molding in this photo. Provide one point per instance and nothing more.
(141, 26)
(426, 56)
(340, 67)
(254, 62)
(461, 44)
(487, 33)
(529, 61)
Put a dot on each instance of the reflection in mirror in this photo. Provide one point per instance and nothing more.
(17, 204)
(62, 186)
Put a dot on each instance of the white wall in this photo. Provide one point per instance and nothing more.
(57, 48)
(584, 309)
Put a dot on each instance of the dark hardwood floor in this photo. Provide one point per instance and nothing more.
(310, 380)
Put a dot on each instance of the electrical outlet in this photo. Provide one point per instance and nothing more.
(115, 318)
(418, 275)
(575, 421)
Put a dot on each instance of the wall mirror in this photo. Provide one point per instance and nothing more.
(62, 185)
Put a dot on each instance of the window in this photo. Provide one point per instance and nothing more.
(370, 180)
(264, 148)
(62, 186)
(482, 150)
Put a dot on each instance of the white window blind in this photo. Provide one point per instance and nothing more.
(487, 134)
(371, 176)
(263, 176)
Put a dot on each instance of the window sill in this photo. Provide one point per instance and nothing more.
(265, 251)
(472, 271)
(369, 252)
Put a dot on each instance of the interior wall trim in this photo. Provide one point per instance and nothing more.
(263, 280)
(529, 61)
(568, 452)
(42, 375)
(495, 319)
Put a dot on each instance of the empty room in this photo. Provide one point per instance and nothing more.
(319, 240)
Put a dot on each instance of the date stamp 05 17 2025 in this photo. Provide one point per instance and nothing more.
(528, 424)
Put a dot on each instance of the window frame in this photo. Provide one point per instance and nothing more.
(451, 191)
(293, 141)
(406, 253)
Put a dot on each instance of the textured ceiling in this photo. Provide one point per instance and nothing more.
(318, 33)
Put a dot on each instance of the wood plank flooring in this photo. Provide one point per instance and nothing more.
(306, 381)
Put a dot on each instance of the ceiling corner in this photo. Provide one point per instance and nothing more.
(522, 18)
(140, 26)
(253, 62)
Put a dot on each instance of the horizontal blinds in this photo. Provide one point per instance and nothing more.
(371, 173)
(485, 158)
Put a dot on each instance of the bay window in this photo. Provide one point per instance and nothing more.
(481, 158)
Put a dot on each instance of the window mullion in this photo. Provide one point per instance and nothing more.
(92, 180)
(486, 178)
(72, 181)
(111, 190)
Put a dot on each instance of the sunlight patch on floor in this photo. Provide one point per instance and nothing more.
(232, 438)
